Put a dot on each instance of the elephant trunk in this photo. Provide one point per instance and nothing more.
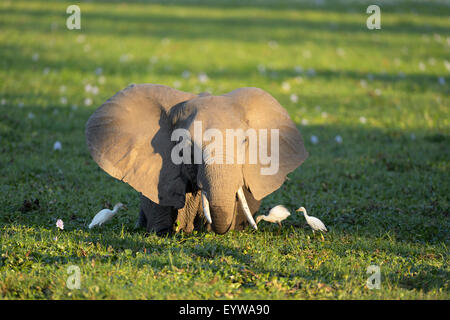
(221, 186)
(222, 214)
(222, 218)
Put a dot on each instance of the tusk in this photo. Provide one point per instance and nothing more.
(205, 205)
(244, 204)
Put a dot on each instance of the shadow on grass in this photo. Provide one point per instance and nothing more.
(429, 8)
(139, 67)
(203, 27)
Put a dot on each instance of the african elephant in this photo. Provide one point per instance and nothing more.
(133, 137)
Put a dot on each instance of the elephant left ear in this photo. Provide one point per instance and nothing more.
(262, 111)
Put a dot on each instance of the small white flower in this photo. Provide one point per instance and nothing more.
(124, 58)
(153, 59)
(88, 87)
(30, 115)
(87, 101)
(35, 57)
(362, 119)
(298, 69)
(272, 44)
(437, 37)
(261, 68)
(46, 70)
(60, 224)
(377, 92)
(298, 79)
(422, 66)
(363, 83)
(63, 100)
(94, 90)
(3, 102)
(311, 72)
(62, 89)
(186, 74)
(57, 146)
(203, 77)
(338, 139)
(286, 86)
(447, 65)
(101, 79)
(294, 98)
(324, 115)
(81, 38)
(177, 84)
(305, 122)
(314, 140)
(441, 81)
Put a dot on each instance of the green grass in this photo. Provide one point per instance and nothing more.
(383, 193)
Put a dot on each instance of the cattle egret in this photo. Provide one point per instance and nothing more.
(104, 215)
(313, 222)
(276, 215)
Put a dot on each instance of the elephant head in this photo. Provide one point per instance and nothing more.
(141, 133)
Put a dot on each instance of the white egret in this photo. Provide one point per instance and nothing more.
(104, 215)
(276, 215)
(313, 222)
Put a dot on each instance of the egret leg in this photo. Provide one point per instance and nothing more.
(321, 235)
(279, 227)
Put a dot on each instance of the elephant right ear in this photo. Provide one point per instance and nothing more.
(129, 138)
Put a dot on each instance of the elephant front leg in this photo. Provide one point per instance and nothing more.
(190, 217)
(142, 221)
(159, 219)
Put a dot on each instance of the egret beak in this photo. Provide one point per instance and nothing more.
(205, 205)
(258, 219)
(244, 205)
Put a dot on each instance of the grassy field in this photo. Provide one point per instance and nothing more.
(383, 192)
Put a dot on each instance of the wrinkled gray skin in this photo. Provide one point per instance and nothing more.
(129, 136)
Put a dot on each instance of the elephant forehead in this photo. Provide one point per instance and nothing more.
(217, 112)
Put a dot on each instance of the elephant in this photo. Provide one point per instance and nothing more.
(132, 137)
